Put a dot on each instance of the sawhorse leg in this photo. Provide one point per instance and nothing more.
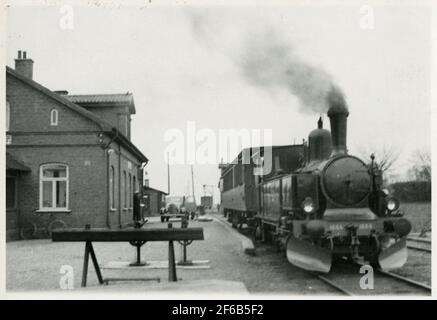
(171, 263)
(184, 261)
(137, 244)
(89, 250)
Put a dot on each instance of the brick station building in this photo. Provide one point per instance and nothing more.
(68, 157)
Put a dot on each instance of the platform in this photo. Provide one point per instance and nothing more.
(246, 243)
(190, 286)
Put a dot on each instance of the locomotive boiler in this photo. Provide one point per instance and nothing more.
(319, 202)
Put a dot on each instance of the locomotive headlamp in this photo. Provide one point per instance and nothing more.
(392, 204)
(308, 205)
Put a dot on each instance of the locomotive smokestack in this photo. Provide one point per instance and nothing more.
(338, 113)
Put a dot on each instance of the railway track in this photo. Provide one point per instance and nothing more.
(419, 244)
(346, 278)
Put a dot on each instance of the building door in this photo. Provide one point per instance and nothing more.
(146, 208)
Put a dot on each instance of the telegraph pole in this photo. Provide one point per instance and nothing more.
(168, 174)
(192, 183)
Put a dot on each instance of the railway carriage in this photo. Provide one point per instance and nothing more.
(240, 187)
(206, 202)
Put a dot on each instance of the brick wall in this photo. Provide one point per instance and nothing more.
(124, 162)
(30, 111)
(74, 142)
(87, 184)
(116, 116)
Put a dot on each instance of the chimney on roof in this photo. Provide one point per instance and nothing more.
(23, 65)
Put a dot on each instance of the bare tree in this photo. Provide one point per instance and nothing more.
(421, 169)
(385, 157)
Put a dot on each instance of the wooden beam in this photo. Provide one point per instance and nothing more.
(117, 235)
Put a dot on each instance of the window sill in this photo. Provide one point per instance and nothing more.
(53, 211)
(125, 209)
(112, 209)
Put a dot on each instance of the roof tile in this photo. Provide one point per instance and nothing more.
(96, 100)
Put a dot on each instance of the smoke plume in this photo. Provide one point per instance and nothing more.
(336, 101)
(269, 62)
(266, 59)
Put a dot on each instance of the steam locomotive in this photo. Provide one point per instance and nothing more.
(317, 202)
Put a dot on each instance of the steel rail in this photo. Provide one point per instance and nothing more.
(417, 239)
(411, 246)
(412, 282)
(334, 285)
(409, 281)
(406, 280)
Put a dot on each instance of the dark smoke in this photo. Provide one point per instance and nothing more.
(336, 101)
(270, 63)
(266, 59)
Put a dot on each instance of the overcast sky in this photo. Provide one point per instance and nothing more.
(185, 64)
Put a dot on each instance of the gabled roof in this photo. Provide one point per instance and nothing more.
(104, 126)
(103, 100)
(13, 164)
(150, 188)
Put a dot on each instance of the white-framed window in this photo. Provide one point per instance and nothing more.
(125, 190)
(54, 117)
(130, 191)
(112, 187)
(8, 115)
(53, 187)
